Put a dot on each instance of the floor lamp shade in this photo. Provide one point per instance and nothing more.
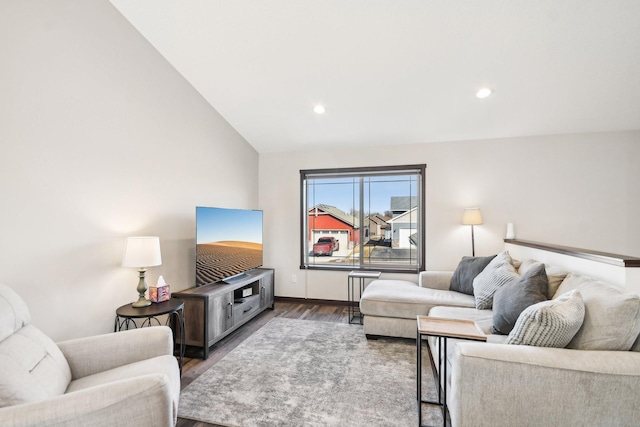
(472, 216)
(142, 252)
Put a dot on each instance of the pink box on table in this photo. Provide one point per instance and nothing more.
(159, 293)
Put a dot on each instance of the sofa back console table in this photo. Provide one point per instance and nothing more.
(213, 311)
(619, 270)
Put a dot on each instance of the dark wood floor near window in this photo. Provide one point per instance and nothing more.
(292, 310)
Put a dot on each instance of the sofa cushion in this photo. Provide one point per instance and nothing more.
(467, 270)
(498, 272)
(551, 323)
(511, 299)
(555, 274)
(402, 299)
(612, 317)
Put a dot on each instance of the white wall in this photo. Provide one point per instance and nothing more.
(101, 139)
(574, 190)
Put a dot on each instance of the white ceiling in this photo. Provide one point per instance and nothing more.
(402, 71)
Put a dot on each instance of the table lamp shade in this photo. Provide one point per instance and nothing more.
(472, 216)
(142, 252)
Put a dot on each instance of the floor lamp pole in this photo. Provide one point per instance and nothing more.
(473, 243)
(472, 216)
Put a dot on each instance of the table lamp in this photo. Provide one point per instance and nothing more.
(142, 252)
(472, 216)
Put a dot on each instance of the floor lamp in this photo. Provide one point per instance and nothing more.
(472, 216)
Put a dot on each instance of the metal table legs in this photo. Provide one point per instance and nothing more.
(437, 374)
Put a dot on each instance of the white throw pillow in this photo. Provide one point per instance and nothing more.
(550, 323)
(499, 272)
(612, 317)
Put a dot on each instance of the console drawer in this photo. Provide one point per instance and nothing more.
(246, 309)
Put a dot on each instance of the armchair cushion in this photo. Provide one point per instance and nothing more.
(33, 367)
(15, 313)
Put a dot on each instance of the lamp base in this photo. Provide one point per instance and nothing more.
(142, 288)
(141, 303)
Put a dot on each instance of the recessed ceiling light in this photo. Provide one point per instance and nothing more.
(319, 109)
(483, 93)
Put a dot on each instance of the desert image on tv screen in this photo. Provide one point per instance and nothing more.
(228, 242)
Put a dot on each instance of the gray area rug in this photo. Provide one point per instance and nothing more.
(308, 373)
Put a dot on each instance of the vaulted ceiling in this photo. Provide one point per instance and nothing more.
(402, 71)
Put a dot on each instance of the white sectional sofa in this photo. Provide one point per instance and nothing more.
(594, 381)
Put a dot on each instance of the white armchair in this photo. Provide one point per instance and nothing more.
(119, 379)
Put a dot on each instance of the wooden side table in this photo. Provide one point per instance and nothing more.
(127, 316)
(441, 329)
(353, 307)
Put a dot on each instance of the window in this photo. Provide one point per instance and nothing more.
(363, 218)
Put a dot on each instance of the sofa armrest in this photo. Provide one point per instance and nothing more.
(87, 356)
(145, 401)
(498, 384)
(435, 279)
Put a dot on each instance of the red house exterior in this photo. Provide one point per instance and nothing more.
(330, 221)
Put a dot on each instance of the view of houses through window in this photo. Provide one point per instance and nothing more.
(363, 218)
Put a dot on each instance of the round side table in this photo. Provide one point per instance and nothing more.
(128, 317)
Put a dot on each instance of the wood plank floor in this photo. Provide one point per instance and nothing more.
(294, 310)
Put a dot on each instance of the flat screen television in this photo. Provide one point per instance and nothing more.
(228, 244)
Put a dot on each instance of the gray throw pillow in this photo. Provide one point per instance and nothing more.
(555, 274)
(551, 323)
(498, 273)
(511, 299)
(467, 270)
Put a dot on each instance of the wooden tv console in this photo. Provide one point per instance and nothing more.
(214, 311)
